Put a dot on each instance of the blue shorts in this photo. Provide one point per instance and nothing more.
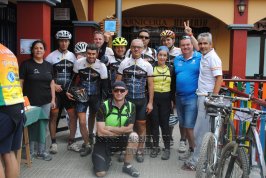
(187, 111)
(140, 105)
(11, 133)
(93, 103)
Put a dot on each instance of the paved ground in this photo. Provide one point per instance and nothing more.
(67, 164)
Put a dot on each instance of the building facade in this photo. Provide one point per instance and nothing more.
(238, 37)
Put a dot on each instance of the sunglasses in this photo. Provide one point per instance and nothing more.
(145, 37)
(185, 37)
(116, 90)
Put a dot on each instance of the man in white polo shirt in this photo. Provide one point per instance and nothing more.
(210, 80)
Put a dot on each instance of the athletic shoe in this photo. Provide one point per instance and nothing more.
(182, 146)
(53, 148)
(154, 152)
(186, 155)
(188, 166)
(139, 157)
(44, 156)
(166, 154)
(85, 150)
(130, 170)
(73, 147)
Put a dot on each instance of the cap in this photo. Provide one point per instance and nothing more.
(163, 48)
(119, 84)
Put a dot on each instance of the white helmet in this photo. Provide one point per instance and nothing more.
(80, 47)
(63, 34)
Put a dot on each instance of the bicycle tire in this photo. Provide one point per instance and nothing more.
(242, 160)
(206, 155)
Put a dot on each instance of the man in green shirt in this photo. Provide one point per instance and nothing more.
(115, 121)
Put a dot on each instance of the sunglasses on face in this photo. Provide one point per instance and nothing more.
(145, 37)
(116, 90)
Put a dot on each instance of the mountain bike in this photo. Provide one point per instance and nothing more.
(218, 108)
(252, 161)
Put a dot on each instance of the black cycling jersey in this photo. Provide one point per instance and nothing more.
(91, 75)
(63, 64)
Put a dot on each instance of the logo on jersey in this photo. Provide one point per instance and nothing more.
(180, 63)
(35, 71)
(11, 77)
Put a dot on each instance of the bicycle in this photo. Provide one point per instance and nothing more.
(231, 152)
(221, 127)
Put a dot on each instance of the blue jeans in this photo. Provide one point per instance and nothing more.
(187, 111)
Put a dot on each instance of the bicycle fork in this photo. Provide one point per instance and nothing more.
(232, 159)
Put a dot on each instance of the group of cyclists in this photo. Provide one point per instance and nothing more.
(150, 80)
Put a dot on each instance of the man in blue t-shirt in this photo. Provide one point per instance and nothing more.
(186, 68)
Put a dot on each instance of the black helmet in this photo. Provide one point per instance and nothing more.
(79, 94)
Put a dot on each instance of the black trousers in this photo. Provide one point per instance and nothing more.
(160, 118)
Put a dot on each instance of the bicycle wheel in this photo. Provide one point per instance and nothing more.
(241, 165)
(206, 158)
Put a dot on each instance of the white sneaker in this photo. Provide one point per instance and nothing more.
(53, 148)
(73, 147)
(185, 156)
(182, 146)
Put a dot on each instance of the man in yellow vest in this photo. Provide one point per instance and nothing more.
(11, 113)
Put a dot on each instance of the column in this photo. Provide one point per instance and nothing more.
(33, 22)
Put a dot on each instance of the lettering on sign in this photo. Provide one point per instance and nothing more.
(164, 22)
(259, 26)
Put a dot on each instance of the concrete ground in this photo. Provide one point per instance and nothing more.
(68, 164)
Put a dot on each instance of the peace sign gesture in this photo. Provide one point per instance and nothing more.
(187, 28)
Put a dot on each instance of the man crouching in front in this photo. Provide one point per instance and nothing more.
(115, 120)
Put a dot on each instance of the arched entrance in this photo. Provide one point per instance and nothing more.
(158, 17)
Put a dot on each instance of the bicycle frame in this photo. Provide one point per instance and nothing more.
(253, 137)
(256, 145)
(216, 124)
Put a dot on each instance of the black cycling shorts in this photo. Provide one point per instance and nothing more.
(62, 101)
(102, 151)
(11, 130)
(141, 105)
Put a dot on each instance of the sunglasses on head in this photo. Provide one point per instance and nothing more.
(185, 37)
(116, 90)
(145, 37)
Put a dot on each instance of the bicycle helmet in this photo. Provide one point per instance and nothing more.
(167, 33)
(119, 41)
(173, 120)
(79, 94)
(63, 34)
(80, 47)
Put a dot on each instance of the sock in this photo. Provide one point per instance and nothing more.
(126, 164)
(70, 141)
(183, 139)
(53, 140)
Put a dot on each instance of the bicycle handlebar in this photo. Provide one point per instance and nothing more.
(235, 98)
(249, 110)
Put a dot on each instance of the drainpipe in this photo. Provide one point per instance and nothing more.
(118, 10)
